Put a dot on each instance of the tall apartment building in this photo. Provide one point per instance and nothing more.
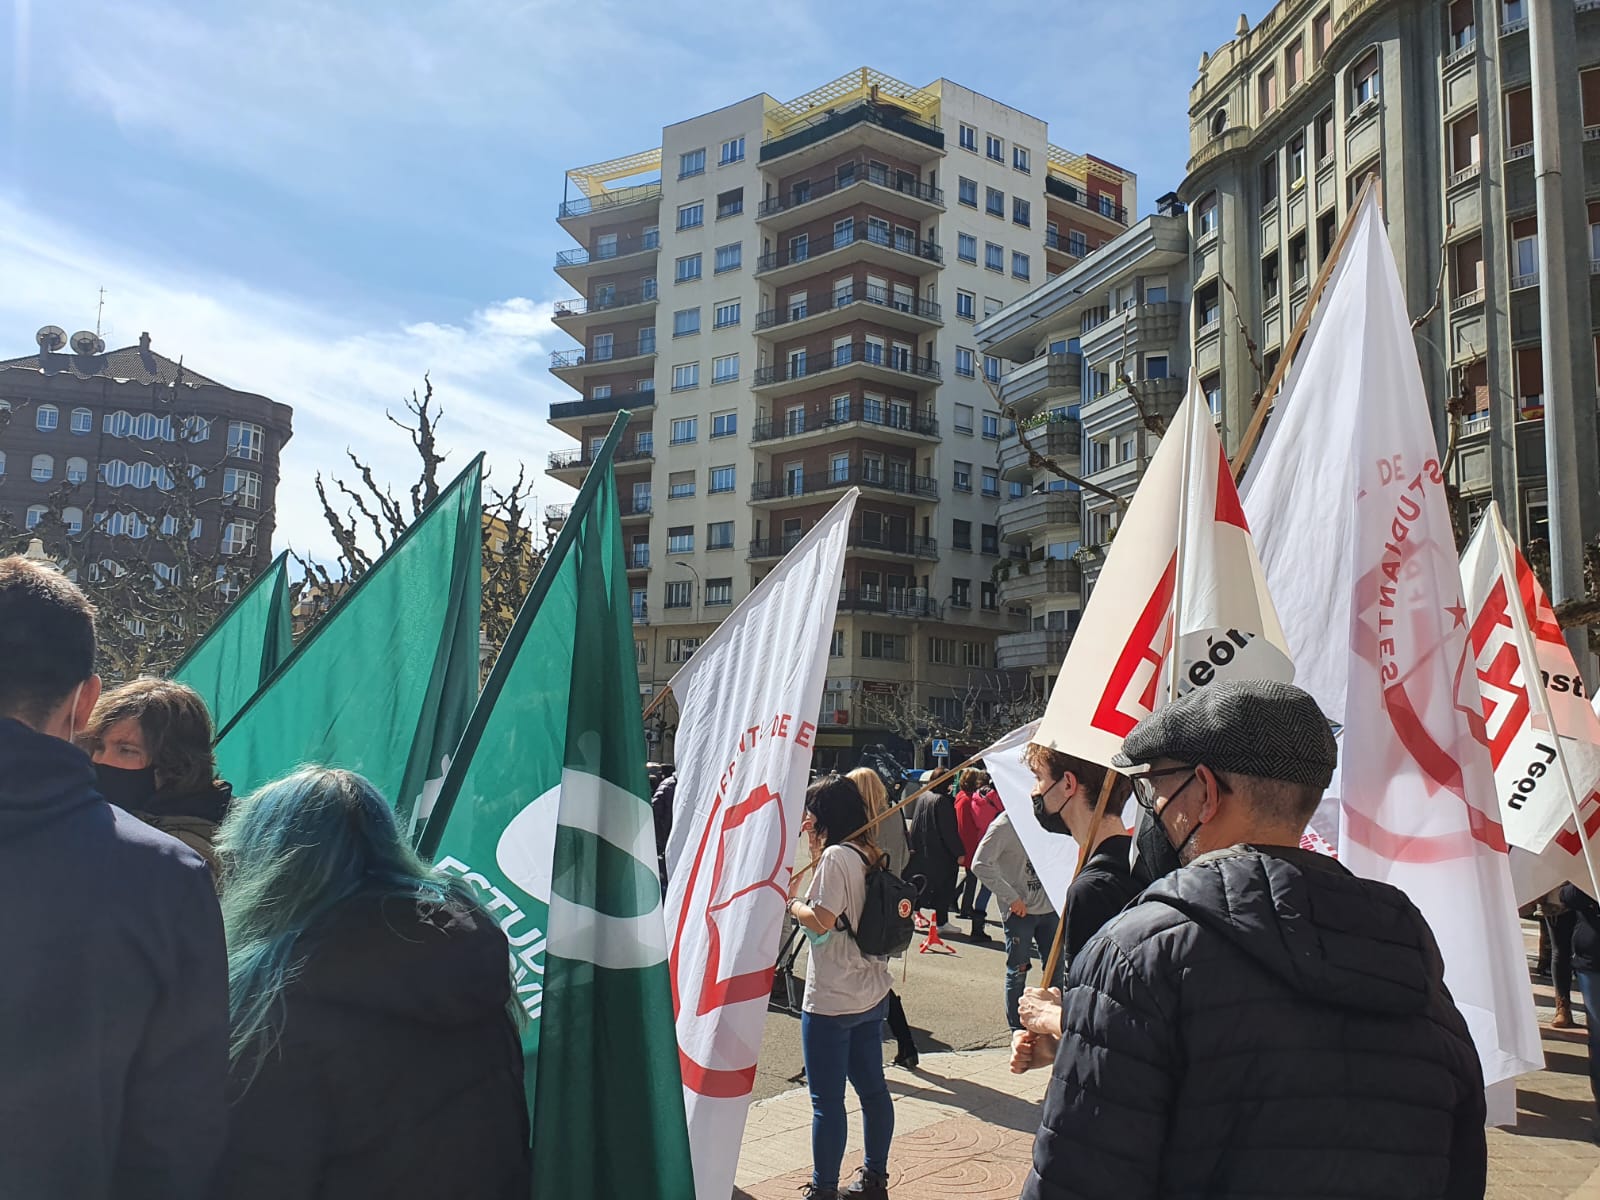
(1082, 346)
(785, 296)
(1435, 98)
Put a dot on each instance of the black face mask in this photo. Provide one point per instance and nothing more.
(1157, 855)
(129, 789)
(1051, 821)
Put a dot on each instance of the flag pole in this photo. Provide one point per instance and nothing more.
(1180, 559)
(1258, 422)
(1084, 851)
(1533, 678)
(656, 701)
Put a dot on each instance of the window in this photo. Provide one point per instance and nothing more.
(680, 485)
(991, 482)
(647, 340)
(991, 426)
(966, 247)
(1321, 33)
(685, 376)
(241, 488)
(883, 645)
(964, 362)
(994, 147)
(1077, 243)
(724, 424)
(994, 202)
(1155, 366)
(36, 514)
(73, 517)
(1298, 263)
(1207, 308)
(941, 651)
(1324, 136)
(730, 204)
(1205, 215)
(1589, 96)
(77, 470)
(991, 368)
(688, 268)
(726, 313)
(1464, 143)
(961, 593)
(836, 644)
(692, 163)
(721, 480)
(963, 477)
(1267, 90)
(967, 192)
(800, 247)
(1021, 211)
(44, 468)
(1364, 80)
(719, 592)
(974, 654)
(691, 216)
(680, 540)
(1297, 160)
(966, 305)
(1019, 264)
(964, 414)
(1019, 159)
(82, 420)
(47, 418)
(1469, 267)
(961, 535)
(994, 256)
(732, 151)
(730, 258)
(1525, 252)
(685, 429)
(644, 442)
(969, 138)
(990, 306)
(719, 535)
(685, 321)
(725, 368)
(678, 595)
(1211, 385)
(237, 537)
(1269, 276)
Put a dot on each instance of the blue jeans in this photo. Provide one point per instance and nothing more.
(836, 1047)
(1589, 986)
(1023, 934)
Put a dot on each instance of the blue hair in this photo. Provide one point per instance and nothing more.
(291, 853)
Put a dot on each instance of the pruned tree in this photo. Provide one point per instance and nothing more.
(991, 704)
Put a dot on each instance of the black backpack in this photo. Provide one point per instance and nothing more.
(887, 922)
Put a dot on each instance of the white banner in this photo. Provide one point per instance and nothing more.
(1183, 547)
(1054, 855)
(748, 703)
(1347, 502)
(1544, 739)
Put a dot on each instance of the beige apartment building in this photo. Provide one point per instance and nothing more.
(785, 297)
(1435, 98)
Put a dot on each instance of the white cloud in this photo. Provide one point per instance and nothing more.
(338, 373)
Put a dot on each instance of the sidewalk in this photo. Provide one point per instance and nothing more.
(964, 1128)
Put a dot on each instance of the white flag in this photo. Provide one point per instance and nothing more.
(748, 702)
(1544, 739)
(1054, 856)
(1183, 546)
(1347, 502)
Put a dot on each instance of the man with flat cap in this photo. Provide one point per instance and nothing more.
(1259, 1022)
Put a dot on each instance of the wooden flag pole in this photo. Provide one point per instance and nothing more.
(1083, 857)
(1258, 422)
(657, 700)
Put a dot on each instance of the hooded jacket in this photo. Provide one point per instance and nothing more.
(1262, 1023)
(113, 992)
(936, 850)
(396, 1071)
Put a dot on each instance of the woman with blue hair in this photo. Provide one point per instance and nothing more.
(373, 1050)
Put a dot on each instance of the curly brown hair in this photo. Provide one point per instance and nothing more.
(1090, 775)
(176, 726)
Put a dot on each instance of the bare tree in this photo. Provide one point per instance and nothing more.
(991, 705)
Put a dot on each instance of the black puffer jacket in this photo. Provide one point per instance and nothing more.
(936, 850)
(1262, 1023)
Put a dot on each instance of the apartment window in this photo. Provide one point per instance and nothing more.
(966, 305)
(1469, 267)
(83, 422)
(719, 535)
(964, 362)
(994, 147)
(1589, 96)
(685, 429)
(36, 513)
(680, 540)
(991, 481)
(836, 644)
(241, 488)
(1324, 135)
(680, 485)
(245, 440)
(46, 418)
(1211, 386)
(237, 537)
(1267, 90)
(719, 592)
(44, 468)
(78, 472)
(1364, 80)
(991, 368)
(1205, 215)
(990, 306)
(1155, 366)
(941, 651)
(963, 477)
(730, 257)
(726, 313)
(969, 138)
(644, 443)
(1015, 490)
(961, 593)
(721, 480)
(1077, 243)
(1270, 276)
(988, 595)
(974, 654)
(964, 414)
(1019, 264)
(725, 368)
(1298, 263)
(688, 268)
(692, 163)
(1019, 159)
(678, 595)
(1207, 308)
(1297, 160)
(883, 645)
(961, 535)
(732, 151)
(685, 376)
(1321, 33)
(730, 204)
(1525, 252)
(994, 256)
(724, 424)
(691, 215)
(1464, 143)
(685, 321)
(1021, 211)
(994, 202)
(966, 247)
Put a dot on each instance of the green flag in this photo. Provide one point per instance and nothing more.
(246, 645)
(385, 683)
(545, 810)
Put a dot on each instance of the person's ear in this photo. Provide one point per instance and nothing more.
(1069, 786)
(1214, 792)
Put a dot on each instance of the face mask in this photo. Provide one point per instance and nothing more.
(129, 789)
(1051, 821)
(1157, 855)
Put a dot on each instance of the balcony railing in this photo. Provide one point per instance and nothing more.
(1531, 279)
(1507, 28)
(604, 302)
(1525, 150)
(1466, 175)
(805, 191)
(1103, 205)
(1477, 423)
(603, 253)
(1467, 300)
(600, 354)
(844, 356)
(634, 507)
(1077, 247)
(918, 547)
(877, 477)
(890, 117)
(561, 460)
(638, 558)
(615, 198)
(882, 297)
(899, 603)
(787, 256)
(603, 405)
(1464, 50)
(829, 416)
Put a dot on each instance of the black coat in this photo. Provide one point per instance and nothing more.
(936, 850)
(1262, 1023)
(1586, 932)
(113, 992)
(397, 1073)
(1098, 893)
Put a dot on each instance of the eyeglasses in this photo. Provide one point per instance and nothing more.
(1144, 789)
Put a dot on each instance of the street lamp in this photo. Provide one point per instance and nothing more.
(696, 585)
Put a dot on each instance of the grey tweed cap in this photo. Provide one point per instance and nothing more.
(1246, 726)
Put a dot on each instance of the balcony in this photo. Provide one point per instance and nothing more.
(579, 216)
(864, 123)
(1528, 279)
(810, 199)
(798, 489)
(578, 410)
(897, 312)
(634, 508)
(831, 419)
(576, 462)
(1057, 377)
(1138, 327)
(865, 360)
(1052, 435)
(1042, 510)
(873, 244)
(1116, 409)
(1067, 246)
(1040, 580)
(575, 316)
(1037, 649)
(913, 602)
(567, 364)
(1056, 188)
(575, 266)
(638, 558)
(1467, 174)
(897, 547)
(1467, 46)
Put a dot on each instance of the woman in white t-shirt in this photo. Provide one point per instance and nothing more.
(846, 999)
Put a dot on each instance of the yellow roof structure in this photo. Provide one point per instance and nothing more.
(861, 84)
(1077, 167)
(592, 181)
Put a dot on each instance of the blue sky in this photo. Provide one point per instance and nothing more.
(321, 201)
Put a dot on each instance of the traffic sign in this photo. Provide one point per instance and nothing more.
(941, 747)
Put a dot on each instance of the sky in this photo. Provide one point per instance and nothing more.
(321, 201)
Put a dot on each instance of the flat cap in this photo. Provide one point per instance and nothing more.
(1245, 726)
